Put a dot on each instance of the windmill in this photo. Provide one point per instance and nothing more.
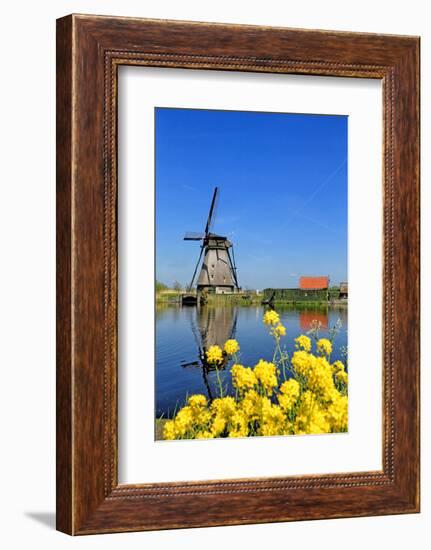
(218, 270)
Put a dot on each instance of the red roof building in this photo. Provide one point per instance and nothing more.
(314, 283)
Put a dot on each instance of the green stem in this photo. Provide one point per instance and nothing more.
(220, 386)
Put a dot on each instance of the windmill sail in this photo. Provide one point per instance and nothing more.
(211, 214)
(193, 236)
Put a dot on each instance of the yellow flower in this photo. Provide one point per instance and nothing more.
(341, 376)
(272, 418)
(169, 430)
(197, 400)
(225, 410)
(231, 347)
(337, 412)
(324, 346)
(243, 378)
(250, 404)
(311, 416)
(290, 387)
(271, 317)
(224, 406)
(202, 417)
(280, 330)
(303, 342)
(266, 374)
(302, 362)
(214, 355)
(219, 424)
(183, 421)
(319, 377)
(238, 425)
(337, 366)
(289, 394)
(318, 423)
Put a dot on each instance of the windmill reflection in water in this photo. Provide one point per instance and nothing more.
(210, 326)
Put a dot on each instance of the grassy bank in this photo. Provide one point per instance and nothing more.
(167, 297)
(252, 300)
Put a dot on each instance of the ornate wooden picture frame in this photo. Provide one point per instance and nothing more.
(89, 51)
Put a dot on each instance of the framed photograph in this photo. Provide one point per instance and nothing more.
(237, 274)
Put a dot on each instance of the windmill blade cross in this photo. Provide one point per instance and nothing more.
(233, 266)
(196, 268)
(211, 213)
(193, 236)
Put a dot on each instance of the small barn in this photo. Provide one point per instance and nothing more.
(313, 283)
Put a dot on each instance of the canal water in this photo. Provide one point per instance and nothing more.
(183, 332)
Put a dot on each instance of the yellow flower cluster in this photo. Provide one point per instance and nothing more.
(301, 362)
(250, 405)
(337, 412)
(243, 378)
(289, 393)
(315, 371)
(311, 416)
(280, 330)
(197, 400)
(341, 376)
(214, 355)
(271, 318)
(231, 347)
(319, 378)
(324, 346)
(337, 366)
(312, 399)
(303, 342)
(273, 420)
(266, 374)
(222, 409)
(194, 413)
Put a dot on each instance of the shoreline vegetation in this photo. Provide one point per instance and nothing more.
(250, 298)
(285, 395)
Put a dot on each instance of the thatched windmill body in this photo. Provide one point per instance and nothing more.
(218, 270)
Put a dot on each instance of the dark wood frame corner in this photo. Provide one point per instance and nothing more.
(89, 51)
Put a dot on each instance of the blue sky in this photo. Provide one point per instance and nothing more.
(283, 193)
